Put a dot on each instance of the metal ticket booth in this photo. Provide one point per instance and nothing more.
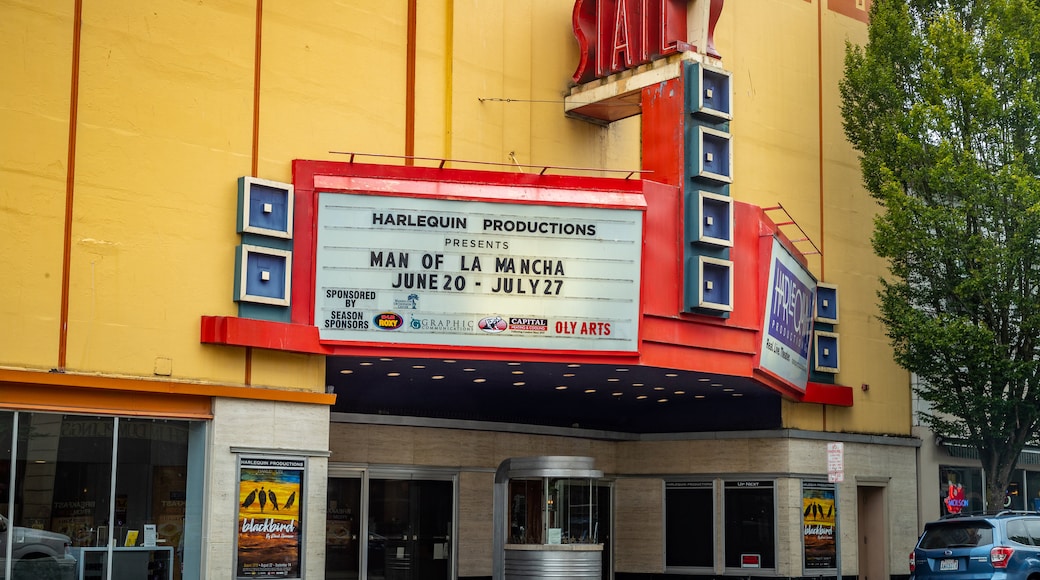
(547, 519)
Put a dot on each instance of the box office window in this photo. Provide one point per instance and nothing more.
(76, 488)
(749, 519)
(689, 524)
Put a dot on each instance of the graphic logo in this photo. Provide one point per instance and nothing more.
(388, 321)
(442, 324)
(493, 324)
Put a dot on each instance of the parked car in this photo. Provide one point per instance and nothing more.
(1004, 545)
(36, 554)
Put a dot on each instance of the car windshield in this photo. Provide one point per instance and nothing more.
(956, 535)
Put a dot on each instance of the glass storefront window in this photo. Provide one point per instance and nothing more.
(575, 510)
(748, 531)
(553, 510)
(525, 516)
(1016, 493)
(99, 497)
(960, 490)
(689, 524)
(1033, 490)
(750, 523)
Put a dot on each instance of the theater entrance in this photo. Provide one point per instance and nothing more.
(390, 525)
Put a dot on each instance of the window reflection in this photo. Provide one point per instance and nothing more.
(64, 512)
(689, 524)
(749, 517)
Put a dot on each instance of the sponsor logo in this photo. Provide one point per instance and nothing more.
(584, 328)
(442, 324)
(492, 324)
(409, 303)
(528, 324)
(388, 321)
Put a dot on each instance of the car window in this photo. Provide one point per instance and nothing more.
(1018, 532)
(956, 535)
(1033, 527)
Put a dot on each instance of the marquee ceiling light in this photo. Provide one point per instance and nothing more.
(471, 389)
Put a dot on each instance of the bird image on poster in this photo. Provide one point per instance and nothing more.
(269, 526)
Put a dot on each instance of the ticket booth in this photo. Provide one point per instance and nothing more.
(547, 519)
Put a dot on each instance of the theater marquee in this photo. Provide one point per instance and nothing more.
(787, 326)
(430, 271)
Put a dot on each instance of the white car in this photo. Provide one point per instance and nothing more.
(35, 554)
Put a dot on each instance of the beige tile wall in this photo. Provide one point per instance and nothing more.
(475, 529)
(640, 469)
(638, 527)
(262, 425)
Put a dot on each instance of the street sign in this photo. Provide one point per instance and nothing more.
(835, 462)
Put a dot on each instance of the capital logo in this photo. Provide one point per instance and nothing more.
(492, 324)
(388, 321)
(521, 324)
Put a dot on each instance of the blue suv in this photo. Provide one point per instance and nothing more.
(1005, 545)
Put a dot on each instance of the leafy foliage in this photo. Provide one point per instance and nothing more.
(943, 103)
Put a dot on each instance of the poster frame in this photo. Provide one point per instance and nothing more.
(284, 464)
(809, 490)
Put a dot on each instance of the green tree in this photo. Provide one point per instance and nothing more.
(942, 104)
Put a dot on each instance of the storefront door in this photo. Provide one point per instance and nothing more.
(410, 529)
(389, 526)
(343, 529)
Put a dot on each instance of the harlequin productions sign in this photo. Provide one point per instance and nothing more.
(787, 327)
(430, 271)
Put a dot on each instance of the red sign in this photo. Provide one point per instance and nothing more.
(615, 35)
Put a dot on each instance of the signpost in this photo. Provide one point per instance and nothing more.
(836, 474)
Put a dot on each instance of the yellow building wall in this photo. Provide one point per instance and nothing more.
(166, 122)
(36, 41)
(786, 58)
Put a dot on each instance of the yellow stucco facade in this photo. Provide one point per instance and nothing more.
(164, 120)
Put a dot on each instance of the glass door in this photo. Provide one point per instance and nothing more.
(605, 501)
(410, 524)
(343, 529)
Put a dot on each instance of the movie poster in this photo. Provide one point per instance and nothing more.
(819, 514)
(269, 528)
